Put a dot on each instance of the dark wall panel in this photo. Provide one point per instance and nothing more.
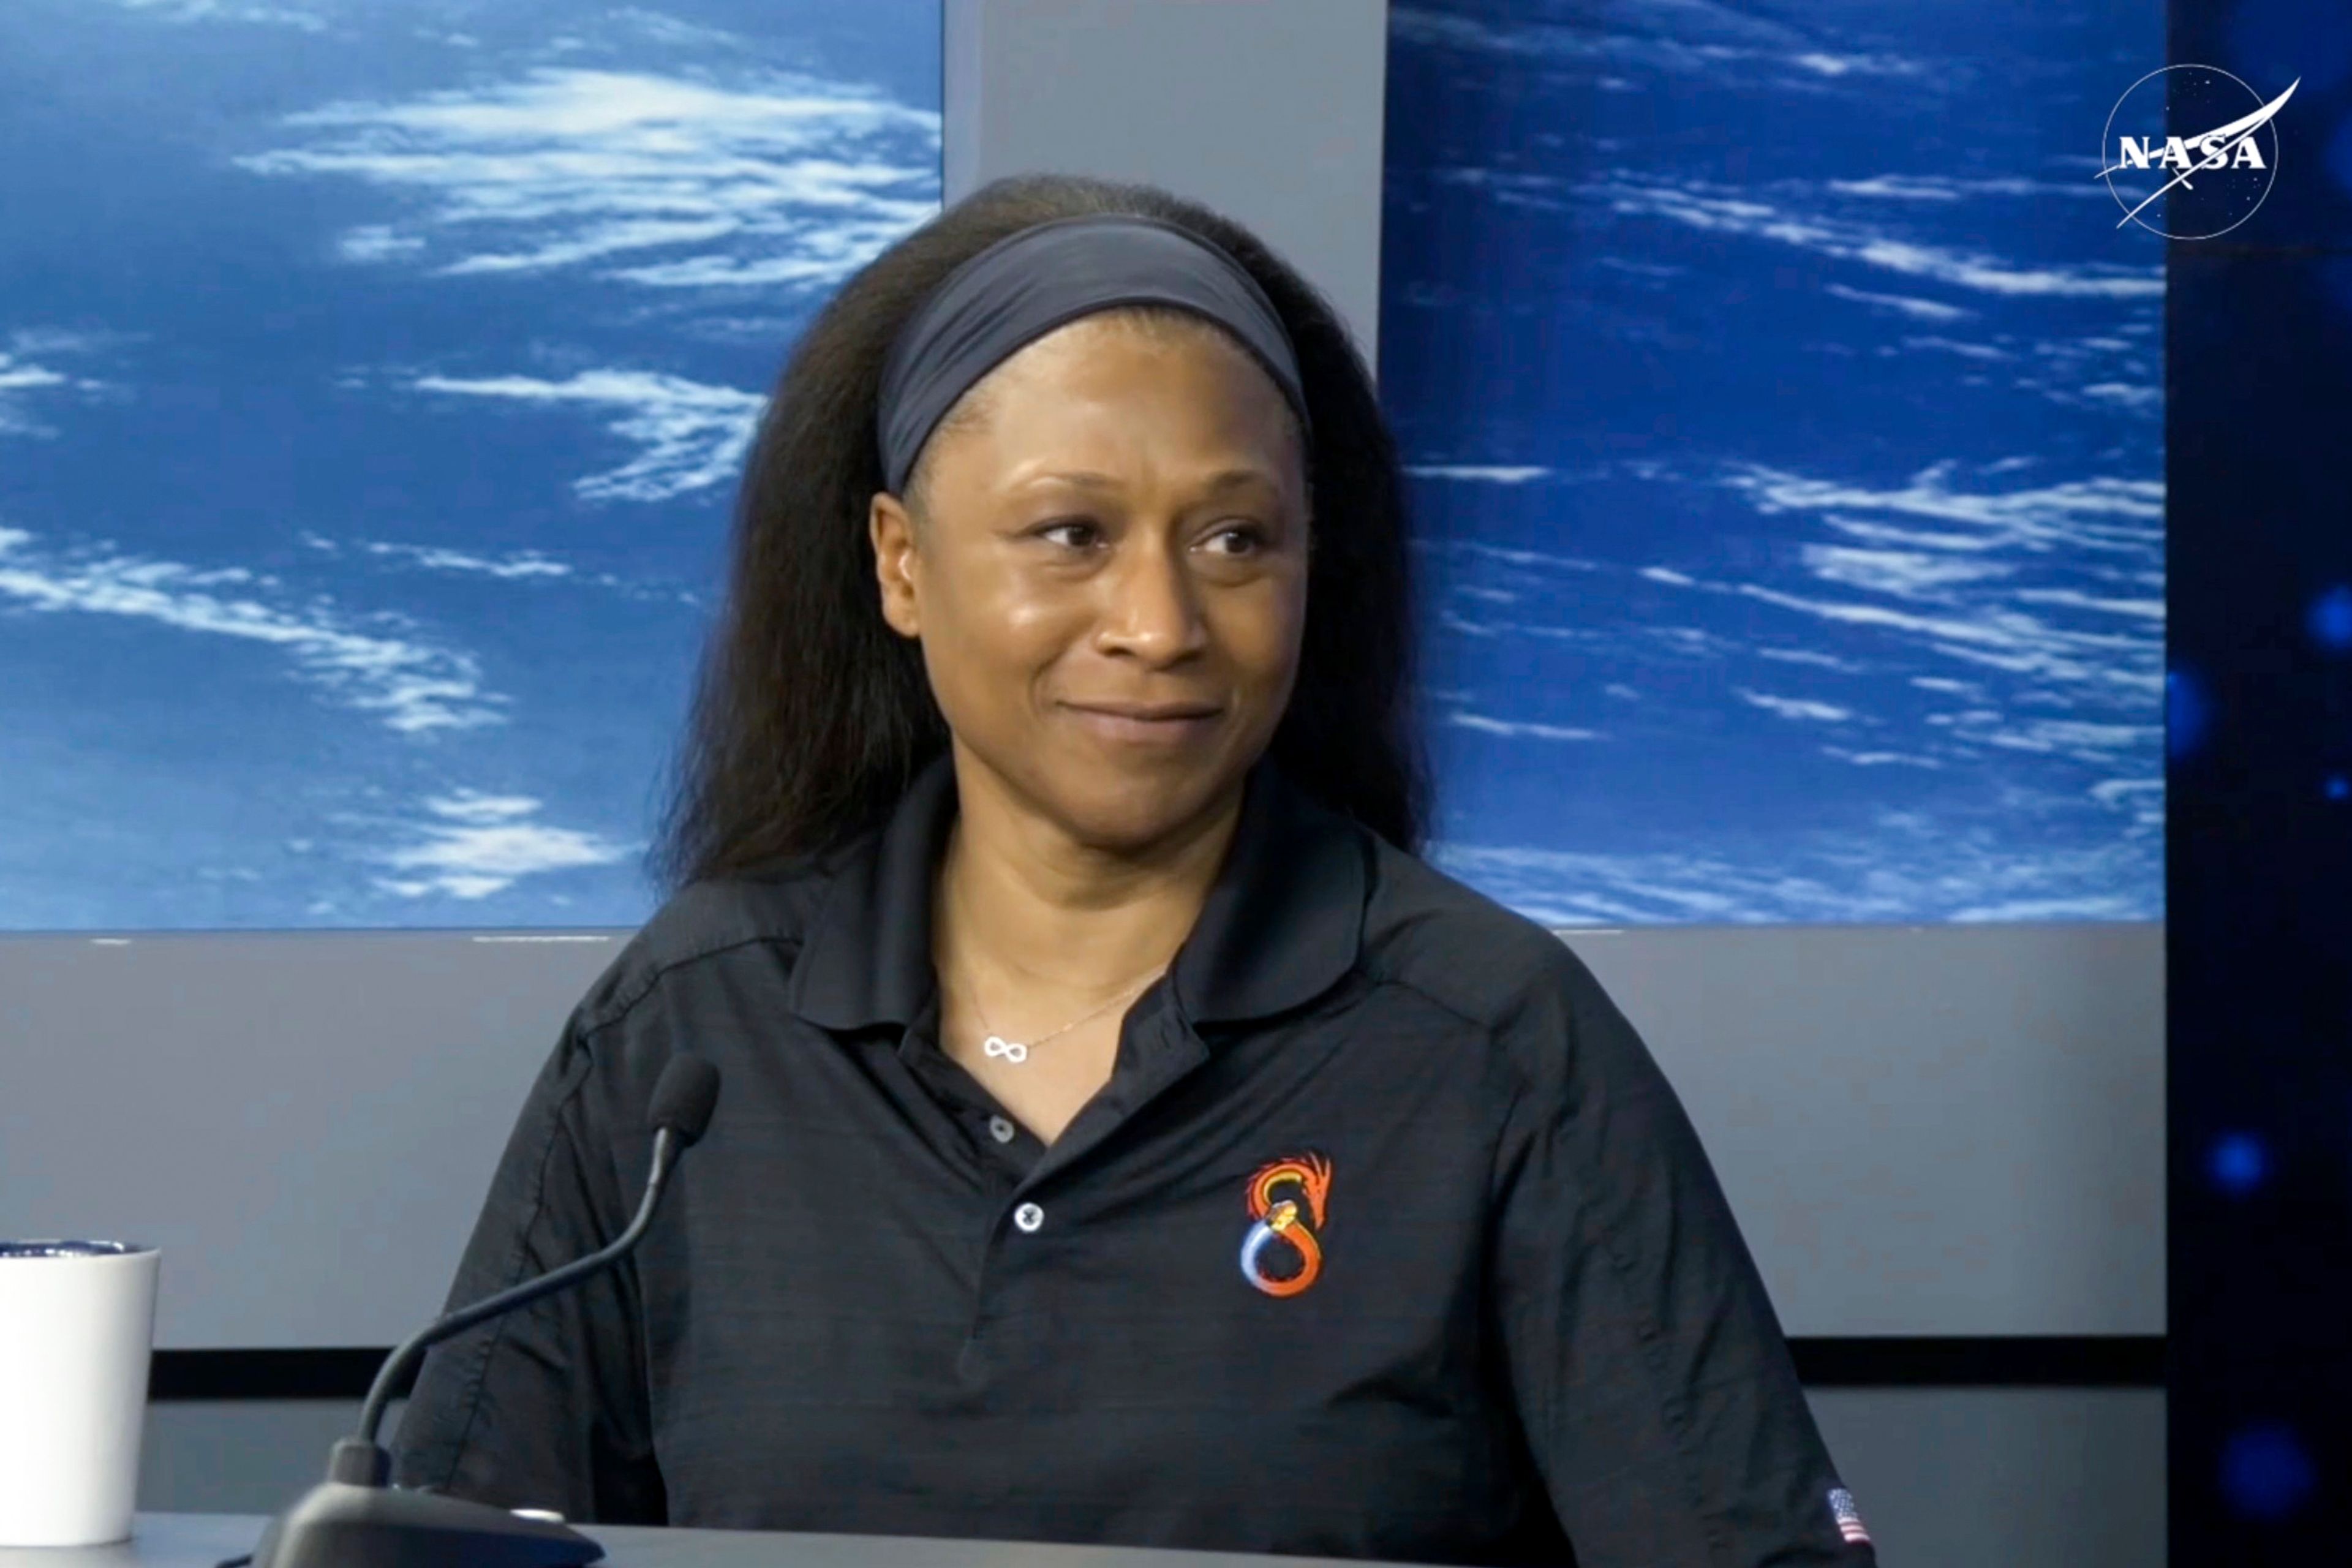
(2259, 390)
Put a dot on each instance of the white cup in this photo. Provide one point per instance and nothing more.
(76, 1326)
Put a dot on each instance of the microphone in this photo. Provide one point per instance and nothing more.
(355, 1520)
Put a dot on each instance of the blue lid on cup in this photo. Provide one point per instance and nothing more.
(70, 1249)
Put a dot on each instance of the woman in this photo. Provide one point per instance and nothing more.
(1125, 1138)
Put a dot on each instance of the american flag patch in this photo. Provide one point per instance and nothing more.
(1849, 1517)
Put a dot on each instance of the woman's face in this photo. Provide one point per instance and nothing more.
(1109, 573)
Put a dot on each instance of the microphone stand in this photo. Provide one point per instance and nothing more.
(355, 1519)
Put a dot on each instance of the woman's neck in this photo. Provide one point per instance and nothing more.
(1021, 904)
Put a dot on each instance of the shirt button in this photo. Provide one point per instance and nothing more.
(1029, 1216)
(1000, 1129)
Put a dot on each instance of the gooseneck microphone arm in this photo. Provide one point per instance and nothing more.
(683, 1099)
(402, 1360)
(354, 1519)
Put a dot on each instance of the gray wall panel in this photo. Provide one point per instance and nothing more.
(1267, 110)
(2021, 1477)
(305, 1124)
(1940, 1131)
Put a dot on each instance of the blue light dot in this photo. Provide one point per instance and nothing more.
(2238, 1164)
(2265, 1474)
(2331, 619)
(2337, 787)
(2187, 715)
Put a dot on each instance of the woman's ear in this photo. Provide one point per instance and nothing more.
(892, 529)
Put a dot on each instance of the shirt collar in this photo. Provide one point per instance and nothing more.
(1282, 923)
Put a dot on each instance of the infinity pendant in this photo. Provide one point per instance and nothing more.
(1012, 1050)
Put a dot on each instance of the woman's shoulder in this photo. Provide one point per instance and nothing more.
(758, 915)
(1550, 1025)
(1474, 955)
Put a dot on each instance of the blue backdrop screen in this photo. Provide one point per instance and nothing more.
(1785, 428)
(374, 381)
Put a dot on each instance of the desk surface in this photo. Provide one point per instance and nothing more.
(201, 1540)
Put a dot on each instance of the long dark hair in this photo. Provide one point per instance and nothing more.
(812, 715)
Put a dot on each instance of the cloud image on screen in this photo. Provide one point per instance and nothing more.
(375, 379)
(1783, 407)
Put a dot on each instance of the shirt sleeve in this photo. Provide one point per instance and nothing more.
(1658, 1396)
(545, 1407)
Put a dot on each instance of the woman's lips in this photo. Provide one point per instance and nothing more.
(1173, 725)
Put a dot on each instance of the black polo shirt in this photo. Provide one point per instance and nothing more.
(1386, 1239)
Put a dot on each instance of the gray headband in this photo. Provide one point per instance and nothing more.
(1048, 276)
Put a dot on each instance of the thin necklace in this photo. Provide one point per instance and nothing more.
(1017, 1051)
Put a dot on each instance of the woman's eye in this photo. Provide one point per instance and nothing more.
(1076, 532)
(1241, 538)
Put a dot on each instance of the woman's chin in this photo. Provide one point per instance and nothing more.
(1128, 810)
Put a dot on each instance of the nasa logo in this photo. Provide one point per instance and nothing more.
(2198, 185)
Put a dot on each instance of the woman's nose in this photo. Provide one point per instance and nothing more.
(1154, 607)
